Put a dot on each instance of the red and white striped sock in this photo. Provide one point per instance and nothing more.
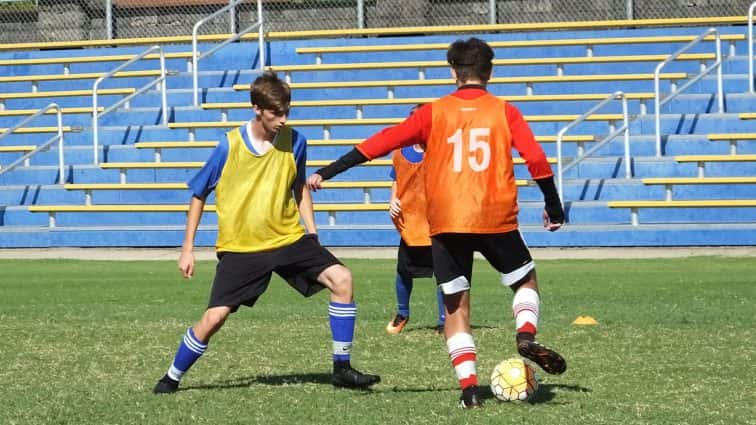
(462, 353)
(525, 308)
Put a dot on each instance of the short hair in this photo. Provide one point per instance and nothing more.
(270, 93)
(471, 59)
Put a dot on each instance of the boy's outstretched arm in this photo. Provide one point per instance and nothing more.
(347, 161)
(412, 130)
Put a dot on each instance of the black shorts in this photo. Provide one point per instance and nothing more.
(240, 278)
(453, 258)
(414, 261)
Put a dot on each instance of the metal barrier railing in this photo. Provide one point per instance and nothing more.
(658, 103)
(625, 128)
(236, 36)
(163, 96)
(751, 58)
(43, 147)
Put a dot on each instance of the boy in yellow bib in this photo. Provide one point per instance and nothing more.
(258, 174)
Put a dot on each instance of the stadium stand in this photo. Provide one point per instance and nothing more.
(698, 192)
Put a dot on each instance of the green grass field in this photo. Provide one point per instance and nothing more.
(84, 343)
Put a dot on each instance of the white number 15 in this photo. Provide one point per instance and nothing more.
(478, 141)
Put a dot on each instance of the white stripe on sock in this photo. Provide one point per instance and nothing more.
(525, 307)
(190, 344)
(175, 374)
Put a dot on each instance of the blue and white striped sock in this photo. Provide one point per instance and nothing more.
(342, 318)
(188, 352)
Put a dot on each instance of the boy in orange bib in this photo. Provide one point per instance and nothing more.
(408, 212)
(472, 202)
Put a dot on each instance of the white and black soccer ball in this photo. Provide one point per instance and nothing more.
(513, 380)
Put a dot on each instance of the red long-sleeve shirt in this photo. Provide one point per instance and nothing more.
(416, 129)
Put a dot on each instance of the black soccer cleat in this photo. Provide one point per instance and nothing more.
(549, 360)
(470, 398)
(345, 376)
(166, 385)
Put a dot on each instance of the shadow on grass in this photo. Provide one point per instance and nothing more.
(545, 393)
(279, 380)
(295, 379)
(434, 328)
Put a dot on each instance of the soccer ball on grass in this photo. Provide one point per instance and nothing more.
(513, 379)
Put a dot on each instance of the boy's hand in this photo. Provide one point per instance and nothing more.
(186, 264)
(315, 182)
(395, 208)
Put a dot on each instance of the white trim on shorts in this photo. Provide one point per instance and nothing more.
(456, 285)
(509, 279)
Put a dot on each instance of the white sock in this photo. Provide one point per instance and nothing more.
(525, 309)
(463, 356)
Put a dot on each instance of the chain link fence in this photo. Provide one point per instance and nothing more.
(63, 20)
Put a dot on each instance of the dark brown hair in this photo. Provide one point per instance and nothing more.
(270, 93)
(472, 59)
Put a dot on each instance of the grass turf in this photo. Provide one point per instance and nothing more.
(84, 343)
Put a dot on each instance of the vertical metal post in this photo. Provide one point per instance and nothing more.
(492, 12)
(629, 9)
(109, 19)
(95, 124)
(261, 35)
(750, 48)
(232, 18)
(195, 68)
(360, 14)
(61, 165)
(657, 111)
(720, 84)
(626, 121)
(163, 88)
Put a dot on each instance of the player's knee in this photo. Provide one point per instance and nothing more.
(213, 319)
(341, 282)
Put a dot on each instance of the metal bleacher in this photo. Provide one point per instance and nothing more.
(700, 191)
